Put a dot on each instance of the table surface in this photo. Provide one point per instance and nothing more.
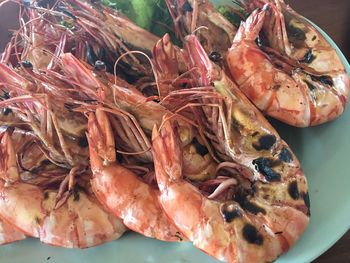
(333, 17)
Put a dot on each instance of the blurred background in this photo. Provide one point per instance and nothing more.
(333, 16)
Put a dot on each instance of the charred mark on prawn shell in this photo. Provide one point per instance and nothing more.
(252, 208)
(323, 79)
(264, 166)
(306, 198)
(265, 142)
(309, 57)
(285, 155)
(241, 197)
(296, 35)
(251, 235)
(310, 85)
(293, 190)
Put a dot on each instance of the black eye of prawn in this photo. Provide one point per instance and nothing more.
(6, 111)
(202, 150)
(100, 65)
(215, 56)
(90, 55)
(27, 64)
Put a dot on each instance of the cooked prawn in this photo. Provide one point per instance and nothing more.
(30, 204)
(191, 15)
(253, 229)
(265, 207)
(280, 82)
(121, 190)
(121, 95)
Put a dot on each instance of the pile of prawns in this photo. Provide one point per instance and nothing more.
(106, 127)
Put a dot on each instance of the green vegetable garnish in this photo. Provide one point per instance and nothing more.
(142, 12)
(152, 15)
(235, 14)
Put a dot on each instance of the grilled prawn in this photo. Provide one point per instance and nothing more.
(297, 78)
(262, 208)
(33, 203)
(121, 190)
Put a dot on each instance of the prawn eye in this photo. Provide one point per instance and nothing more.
(27, 64)
(229, 212)
(83, 142)
(90, 55)
(6, 111)
(215, 56)
(202, 150)
(100, 65)
(5, 95)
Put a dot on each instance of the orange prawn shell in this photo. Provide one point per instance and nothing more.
(120, 190)
(297, 93)
(201, 219)
(80, 222)
(9, 233)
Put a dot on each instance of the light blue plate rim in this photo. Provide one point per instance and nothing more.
(345, 229)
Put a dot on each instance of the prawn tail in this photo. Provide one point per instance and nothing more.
(250, 29)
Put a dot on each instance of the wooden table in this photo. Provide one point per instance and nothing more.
(333, 17)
